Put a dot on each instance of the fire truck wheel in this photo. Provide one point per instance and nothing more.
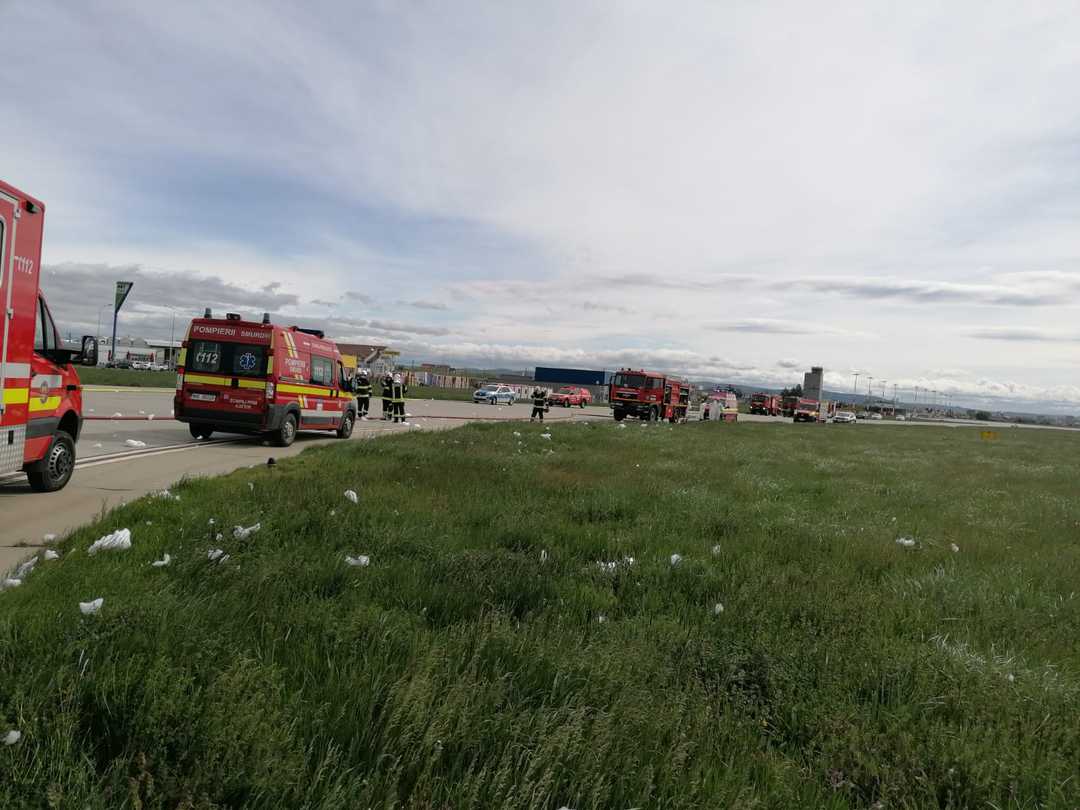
(286, 434)
(619, 416)
(345, 431)
(200, 431)
(54, 471)
(581, 404)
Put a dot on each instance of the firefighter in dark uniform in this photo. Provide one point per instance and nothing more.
(387, 396)
(398, 389)
(362, 389)
(539, 400)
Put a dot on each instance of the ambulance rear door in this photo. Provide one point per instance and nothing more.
(18, 302)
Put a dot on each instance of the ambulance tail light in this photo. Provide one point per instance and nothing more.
(269, 389)
(179, 380)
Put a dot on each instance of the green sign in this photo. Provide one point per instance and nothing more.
(122, 290)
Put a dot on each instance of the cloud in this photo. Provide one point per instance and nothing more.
(924, 292)
(78, 295)
(1021, 334)
(359, 297)
(771, 326)
(421, 304)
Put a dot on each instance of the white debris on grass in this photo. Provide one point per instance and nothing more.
(10, 583)
(955, 548)
(134, 443)
(240, 533)
(91, 607)
(216, 554)
(361, 561)
(165, 560)
(26, 568)
(906, 542)
(676, 559)
(350, 495)
(12, 737)
(251, 486)
(217, 537)
(717, 550)
(166, 495)
(543, 555)
(601, 618)
(545, 436)
(50, 555)
(120, 540)
(517, 433)
(718, 608)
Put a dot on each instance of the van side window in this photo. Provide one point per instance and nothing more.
(322, 371)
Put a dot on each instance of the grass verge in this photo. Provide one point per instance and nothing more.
(485, 659)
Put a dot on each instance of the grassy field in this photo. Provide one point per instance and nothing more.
(435, 392)
(98, 375)
(485, 658)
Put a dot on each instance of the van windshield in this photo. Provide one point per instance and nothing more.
(233, 359)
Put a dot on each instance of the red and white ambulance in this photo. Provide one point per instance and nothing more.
(237, 376)
(40, 398)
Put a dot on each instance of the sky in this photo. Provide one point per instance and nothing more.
(731, 190)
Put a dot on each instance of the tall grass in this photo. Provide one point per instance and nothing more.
(99, 375)
(464, 667)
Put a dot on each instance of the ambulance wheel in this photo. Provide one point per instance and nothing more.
(200, 431)
(286, 434)
(54, 471)
(345, 431)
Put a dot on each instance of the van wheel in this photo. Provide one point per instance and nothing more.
(345, 431)
(54, 471)
(286, 434)
(200, 431)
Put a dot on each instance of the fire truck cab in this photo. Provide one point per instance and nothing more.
(649, 395)
(237, 376)
(40, 397)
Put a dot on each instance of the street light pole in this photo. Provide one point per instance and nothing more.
(855, 387)
(97, 333)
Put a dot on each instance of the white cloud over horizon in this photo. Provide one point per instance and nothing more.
(889, 189)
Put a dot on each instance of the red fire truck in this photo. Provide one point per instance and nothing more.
(765, 404)
(788, 405)
(40, 399)
(648, 395)
(807, 410)
(237, 376)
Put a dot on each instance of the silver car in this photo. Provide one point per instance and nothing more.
(844, 418)
(495, 394)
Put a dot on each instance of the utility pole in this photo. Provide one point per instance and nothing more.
(869, 383)
(855, 387)
(97, 334)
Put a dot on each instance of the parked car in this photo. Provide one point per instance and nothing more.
(140, 365)
(844, 418)
(570, 395)
(495, 394)
(901, 418)
(877, 417)
(160, 367)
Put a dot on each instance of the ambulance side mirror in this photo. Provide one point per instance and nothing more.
(89, 354)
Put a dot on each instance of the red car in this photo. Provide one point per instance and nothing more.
(570, 395)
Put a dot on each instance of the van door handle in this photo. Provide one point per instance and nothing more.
(73, 388)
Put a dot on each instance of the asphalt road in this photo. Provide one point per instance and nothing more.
(110, 472)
